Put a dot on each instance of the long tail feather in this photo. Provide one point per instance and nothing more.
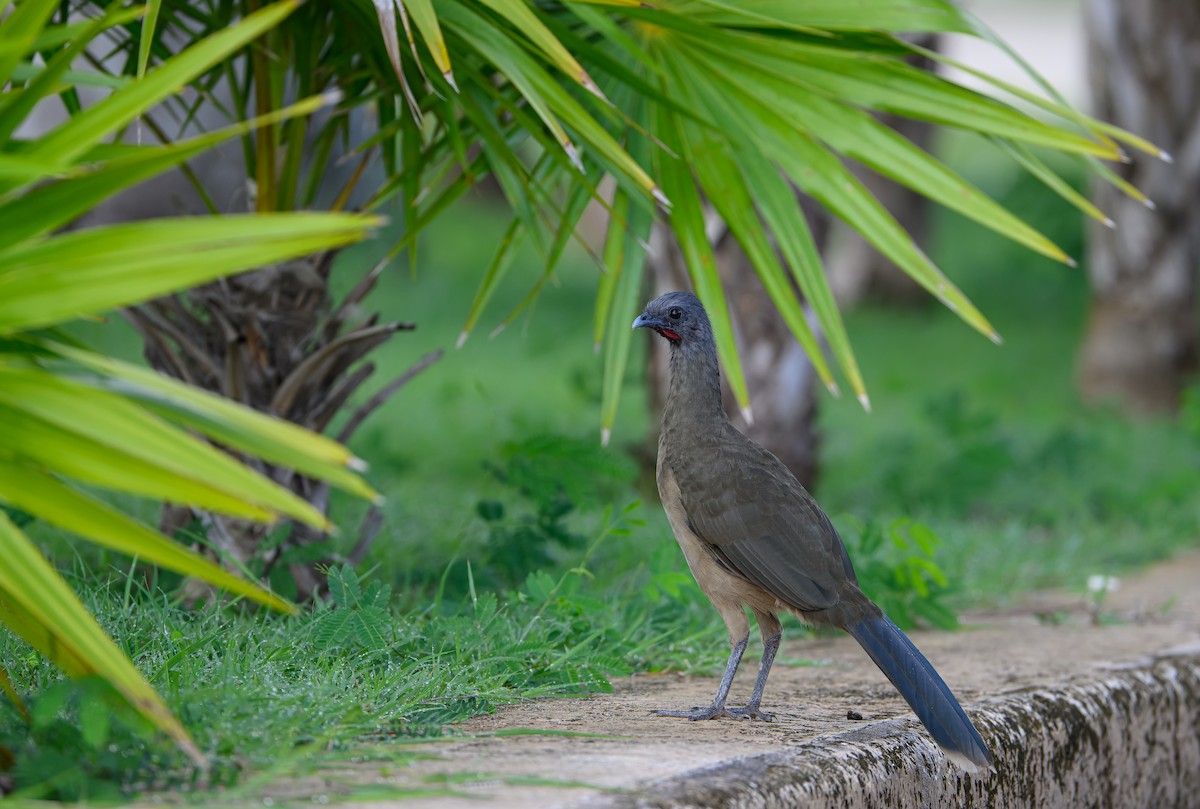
(923, 689)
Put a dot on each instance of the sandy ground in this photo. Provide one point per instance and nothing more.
(996, 656)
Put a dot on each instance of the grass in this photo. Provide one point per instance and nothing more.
(516, 561)
(266, 693)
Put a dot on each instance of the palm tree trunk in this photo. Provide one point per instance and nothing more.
(276, 340)
(1142, 339)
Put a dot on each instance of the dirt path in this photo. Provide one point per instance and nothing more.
(998, 655)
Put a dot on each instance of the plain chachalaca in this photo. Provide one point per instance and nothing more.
(754, 538)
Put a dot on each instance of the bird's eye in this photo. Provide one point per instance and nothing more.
(674, 313)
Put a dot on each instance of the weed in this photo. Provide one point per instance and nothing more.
(553, 478)
(355, 617)
(896, 567)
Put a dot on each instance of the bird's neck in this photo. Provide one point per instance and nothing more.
(694, 391)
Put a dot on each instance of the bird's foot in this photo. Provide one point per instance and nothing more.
(698, 713)
(751, 712)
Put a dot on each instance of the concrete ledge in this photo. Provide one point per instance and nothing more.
(1130, 739)
(1078, 713)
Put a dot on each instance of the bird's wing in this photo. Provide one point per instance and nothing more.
(759, 520)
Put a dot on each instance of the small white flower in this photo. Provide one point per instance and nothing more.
(1098, 585)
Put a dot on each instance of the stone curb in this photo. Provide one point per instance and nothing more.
(1129, 737)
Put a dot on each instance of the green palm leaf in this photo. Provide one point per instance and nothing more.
(35, 491)
(46, 282)
(625, 261)
(796, 82)
(73, 416)
(687, 222)
(80, 132)
(39, 606)
(248, 431)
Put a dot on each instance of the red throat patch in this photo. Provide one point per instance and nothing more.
(670, 335)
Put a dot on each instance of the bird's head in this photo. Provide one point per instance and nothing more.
(679, 317)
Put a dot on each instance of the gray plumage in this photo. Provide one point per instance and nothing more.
(755, 539)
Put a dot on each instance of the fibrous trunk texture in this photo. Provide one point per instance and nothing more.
(274, 340)
(1142, 336)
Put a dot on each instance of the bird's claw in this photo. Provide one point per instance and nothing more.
(713, 712)
(697, 713)
(751, 712)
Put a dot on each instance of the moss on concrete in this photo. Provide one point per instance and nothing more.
(1130, 738)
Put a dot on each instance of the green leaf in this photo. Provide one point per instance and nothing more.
(98, 121)
(121, 445)
(41, 494)
(42, 83)
(21, 170)
(1056, 107)
(777, 203)
(861, 137)
(146, 38)
(610, 268)
(55, 204)
(519, 14)
(53, 36)
(580, 196)
(70, 79)
(554, 105)
(233, 424)
(823, 176)
(427, 23)
(1123, 185)
(90, 271)
(40, 607)
(1035, 166)
(385, 12)
(687, 222)
(624, 260)
(884, 84)
(501, 261)
(510, 173)
(727, 193)
(518, 68)
(837, 15)
(248, 431)
(19, 29)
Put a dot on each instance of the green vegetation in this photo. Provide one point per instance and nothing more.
(1025, 486)
(516, 562)
(266, 691)
(73, 418)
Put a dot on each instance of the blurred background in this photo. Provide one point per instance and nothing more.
(982, 472)
(1027, 482)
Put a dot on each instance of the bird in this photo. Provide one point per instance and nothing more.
(755, 539)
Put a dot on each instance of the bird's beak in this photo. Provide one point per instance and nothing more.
(645, 321)
(648, 321)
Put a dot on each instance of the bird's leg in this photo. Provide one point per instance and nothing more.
(751, 711)
(717, 708)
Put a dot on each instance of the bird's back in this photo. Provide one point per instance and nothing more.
(749, 508)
